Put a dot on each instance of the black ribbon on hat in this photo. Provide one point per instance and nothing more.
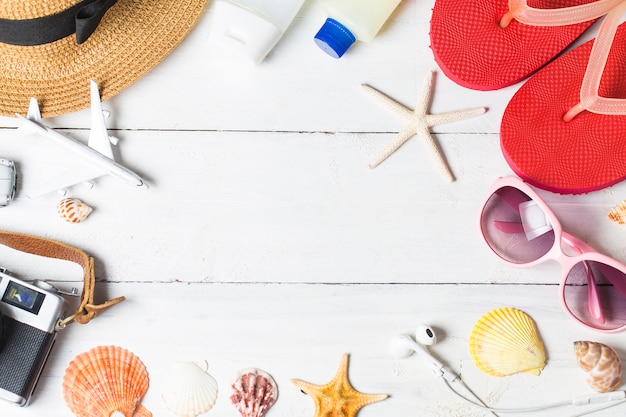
(82, 18)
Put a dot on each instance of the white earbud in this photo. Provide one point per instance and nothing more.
(404, 345)
(425, 335)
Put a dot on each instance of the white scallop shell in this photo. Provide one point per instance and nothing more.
(254, 392)
(190, 390)
(72, 210)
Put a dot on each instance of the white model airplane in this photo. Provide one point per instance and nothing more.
(96, 158)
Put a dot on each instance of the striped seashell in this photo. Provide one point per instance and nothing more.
(106, 381)
(602, 364)
(72, 210)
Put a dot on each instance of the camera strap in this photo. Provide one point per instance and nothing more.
(86, 310)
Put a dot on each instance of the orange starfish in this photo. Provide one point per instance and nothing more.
(337, 398)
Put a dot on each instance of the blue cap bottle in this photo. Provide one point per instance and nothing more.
(334, 38)
(349, 20)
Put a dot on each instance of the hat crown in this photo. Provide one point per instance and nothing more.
(23, 10)
(131, 38)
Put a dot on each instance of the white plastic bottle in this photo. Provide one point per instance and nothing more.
(352, 20)
(252, 27)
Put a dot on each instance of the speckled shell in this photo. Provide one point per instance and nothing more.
(618, 213)
(106, 381)
(72, 210)
(190, 391)
(254, 392)
(505, 341)
(602, 364)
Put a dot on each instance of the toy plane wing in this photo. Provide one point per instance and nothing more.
(80, 173)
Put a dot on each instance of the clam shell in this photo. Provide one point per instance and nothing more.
(106, 381)
(72, 210)
(602, 364)
(254, 392)
(190, 391)
(505, 341)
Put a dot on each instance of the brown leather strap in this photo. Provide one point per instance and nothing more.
(87, 310)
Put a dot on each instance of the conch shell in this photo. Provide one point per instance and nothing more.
(602, 364)
(505, 341)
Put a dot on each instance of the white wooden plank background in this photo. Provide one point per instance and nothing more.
(265, 240)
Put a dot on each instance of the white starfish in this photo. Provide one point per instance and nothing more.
(420, 123)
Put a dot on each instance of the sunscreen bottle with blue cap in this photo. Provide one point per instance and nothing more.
(352, 20)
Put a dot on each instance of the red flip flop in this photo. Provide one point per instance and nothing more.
(474, 51)
(585, 87)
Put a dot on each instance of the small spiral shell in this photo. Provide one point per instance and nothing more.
(72, 210)
(602, 364)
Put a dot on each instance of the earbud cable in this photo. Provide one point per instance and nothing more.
(604, 407)
(612, 403)
(502, 410)
(484, 405)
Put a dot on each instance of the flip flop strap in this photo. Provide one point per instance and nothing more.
(520, 10)
(590, 100)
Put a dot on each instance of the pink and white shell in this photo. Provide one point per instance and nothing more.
(254, 392)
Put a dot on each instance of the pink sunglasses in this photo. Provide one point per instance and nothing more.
(522, 230)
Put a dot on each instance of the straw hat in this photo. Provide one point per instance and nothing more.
(132, 37)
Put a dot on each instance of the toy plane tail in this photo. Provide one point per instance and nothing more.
(33, 115)
(33, 110)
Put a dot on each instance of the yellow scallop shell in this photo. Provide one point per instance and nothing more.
(505, 341)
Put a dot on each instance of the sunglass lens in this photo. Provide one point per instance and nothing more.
(515, 227)
(595, 293)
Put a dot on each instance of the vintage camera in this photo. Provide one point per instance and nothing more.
(29, 315)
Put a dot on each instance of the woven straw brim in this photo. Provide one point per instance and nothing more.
(133, 37)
